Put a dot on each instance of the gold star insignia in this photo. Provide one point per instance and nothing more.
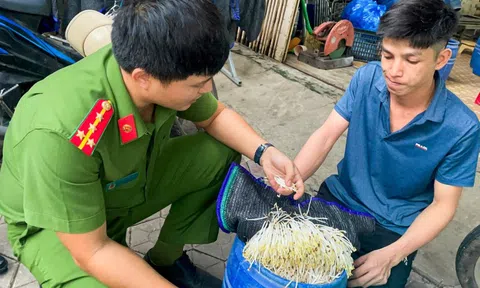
(92, 128)
(80, 134)
(91, 143)
(99, 117)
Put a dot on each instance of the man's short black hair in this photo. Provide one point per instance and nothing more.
(170, 39)
(424, 23)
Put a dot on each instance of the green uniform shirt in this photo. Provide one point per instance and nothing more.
(47, 182)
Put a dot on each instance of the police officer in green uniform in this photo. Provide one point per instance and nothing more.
(88, 153)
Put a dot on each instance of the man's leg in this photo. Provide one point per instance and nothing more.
(52, 265)
(381, 238)
(188, 174)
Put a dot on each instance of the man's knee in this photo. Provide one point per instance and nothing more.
(216, 149)
(52, 265)
(216, 154)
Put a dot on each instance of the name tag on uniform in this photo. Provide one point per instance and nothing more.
(122, 181)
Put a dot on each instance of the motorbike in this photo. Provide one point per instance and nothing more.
(27, 54)
(467, 257)
(33, 14)
(30, 51)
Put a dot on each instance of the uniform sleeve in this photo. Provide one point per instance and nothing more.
(201, 110)
(62, 190)
(458, 168)
(344, 106)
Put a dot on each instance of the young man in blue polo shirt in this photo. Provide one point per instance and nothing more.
(411, 145)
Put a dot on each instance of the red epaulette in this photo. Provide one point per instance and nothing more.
(90, 131)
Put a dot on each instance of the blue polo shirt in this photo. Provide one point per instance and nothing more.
(391, 175)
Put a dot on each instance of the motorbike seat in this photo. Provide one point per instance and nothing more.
(35, 7)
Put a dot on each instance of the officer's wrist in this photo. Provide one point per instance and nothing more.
(260, 152)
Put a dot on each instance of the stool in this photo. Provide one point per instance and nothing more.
(466, 45)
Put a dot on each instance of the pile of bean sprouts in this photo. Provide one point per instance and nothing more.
(300, 248)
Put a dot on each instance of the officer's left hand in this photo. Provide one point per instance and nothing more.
(372, 269)
(275, 163)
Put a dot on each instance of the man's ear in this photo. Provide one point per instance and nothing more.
(142, 78)
(442, 58)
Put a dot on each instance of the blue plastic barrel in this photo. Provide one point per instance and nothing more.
(475, 61)
(445, 71)
(238, 275)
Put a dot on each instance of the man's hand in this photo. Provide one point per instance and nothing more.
(373, 268)
(275, 163)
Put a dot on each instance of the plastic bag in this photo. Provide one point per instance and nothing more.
(387, 3)
(364, 14)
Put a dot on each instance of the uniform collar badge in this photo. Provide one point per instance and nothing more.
(127, 129)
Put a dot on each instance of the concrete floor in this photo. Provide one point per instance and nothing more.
(285, 106)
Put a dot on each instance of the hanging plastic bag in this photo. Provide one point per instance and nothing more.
(364, 14)
(387, 3)
(371, 16)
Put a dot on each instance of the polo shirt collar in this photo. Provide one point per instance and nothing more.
(123, 102)
(435, 111)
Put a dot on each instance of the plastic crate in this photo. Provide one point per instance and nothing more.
(366, 46)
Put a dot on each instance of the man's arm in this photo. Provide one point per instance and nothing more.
(374, 268)
(230, 128)
(317, 147)
(109, 261)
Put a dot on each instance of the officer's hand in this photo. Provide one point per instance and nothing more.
(275, 163)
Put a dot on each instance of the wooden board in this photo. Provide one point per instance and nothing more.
(276, 29)
(339, 78)
(286, 30)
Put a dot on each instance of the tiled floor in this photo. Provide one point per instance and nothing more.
(464, 83)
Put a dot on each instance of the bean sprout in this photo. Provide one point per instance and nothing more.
(280, 181)
(300, 248)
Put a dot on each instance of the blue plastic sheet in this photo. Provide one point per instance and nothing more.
(364, 14)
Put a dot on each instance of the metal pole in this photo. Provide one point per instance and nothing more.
(233, 74)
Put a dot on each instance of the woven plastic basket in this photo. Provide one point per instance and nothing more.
(366, 46)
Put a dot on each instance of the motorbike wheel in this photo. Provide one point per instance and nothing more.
(468, 254)
(180, 127)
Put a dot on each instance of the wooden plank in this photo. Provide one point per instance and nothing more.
(275, 23)
(277, 29)
(271, 23)
(286, 29)
(267, 38)
(266, 22)
(339, 78)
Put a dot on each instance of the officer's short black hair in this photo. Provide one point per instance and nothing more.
(424, 23)
(170, 39)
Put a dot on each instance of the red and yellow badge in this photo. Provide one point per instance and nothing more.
(127, 129)
(91, 129)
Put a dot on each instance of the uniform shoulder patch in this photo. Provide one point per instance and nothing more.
(89, 132)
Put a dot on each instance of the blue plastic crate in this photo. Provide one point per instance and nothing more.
(366, 46)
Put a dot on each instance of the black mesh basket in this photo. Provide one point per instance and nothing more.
(366, 46)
